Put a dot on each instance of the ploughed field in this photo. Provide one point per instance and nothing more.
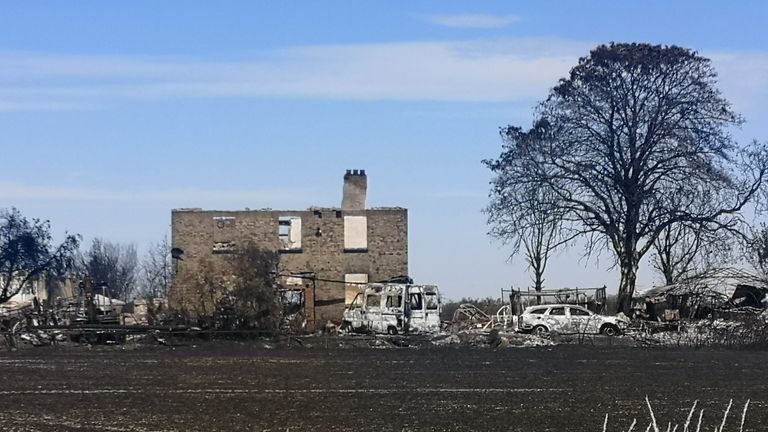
(232, 386)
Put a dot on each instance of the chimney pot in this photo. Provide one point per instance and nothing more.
(355, 190)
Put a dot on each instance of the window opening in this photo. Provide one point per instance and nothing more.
(416, 302)
(394, 301)
(225, 247)
(373, 300)
(355, 232)
(431, 301)
(579, 312)
(557, 311)
(289, 231)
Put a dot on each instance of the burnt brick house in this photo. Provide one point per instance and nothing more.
(326, 252)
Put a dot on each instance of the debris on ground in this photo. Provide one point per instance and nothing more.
(745, 330)
(492, 339)
(468, 316)
(713, 293)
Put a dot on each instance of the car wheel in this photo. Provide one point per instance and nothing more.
(609, 330)
(392, 330)
(541, 331)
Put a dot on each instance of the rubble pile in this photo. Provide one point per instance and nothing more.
(747, 330)
(493, 339)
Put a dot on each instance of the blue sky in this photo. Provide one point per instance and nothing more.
(112, 114)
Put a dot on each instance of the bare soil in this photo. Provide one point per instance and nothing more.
(228, 386)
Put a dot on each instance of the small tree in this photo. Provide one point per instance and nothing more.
(203, 289)
(236, 291)
(114, 264)
(156, 270)
(253, 289)
(27, 251)
(530, 220)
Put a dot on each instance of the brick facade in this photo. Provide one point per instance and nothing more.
(206, 236)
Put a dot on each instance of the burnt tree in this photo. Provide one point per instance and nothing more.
(633, 141)
(756, 249)
(530, 222)
(236, 291)
(27, 251)
(253, 290)
(156, 270)
(683, 250)
(113, 264)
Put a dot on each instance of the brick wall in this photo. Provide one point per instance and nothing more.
(322, 248)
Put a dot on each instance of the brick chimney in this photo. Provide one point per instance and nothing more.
(355, 190)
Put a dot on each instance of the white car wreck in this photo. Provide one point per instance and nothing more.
(569, 319)
(394, 309)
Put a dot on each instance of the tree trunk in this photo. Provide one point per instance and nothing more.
(538, 285)
(669, 278)
(627, 286)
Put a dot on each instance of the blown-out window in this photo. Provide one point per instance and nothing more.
(416, 301)
(432, 300)
(373, 300)
(289, 231)
(578, 312)
(394, 301)
(557, 311)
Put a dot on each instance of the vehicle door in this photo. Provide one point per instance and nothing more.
(431, 311)
(557, 320)
(580, 320)
(373, 313)
(417, 315)
(393, 310)
(531, 317)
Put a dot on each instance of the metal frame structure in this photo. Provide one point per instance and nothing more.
(593, 299)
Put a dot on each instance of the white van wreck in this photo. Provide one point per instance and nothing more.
(394, 309)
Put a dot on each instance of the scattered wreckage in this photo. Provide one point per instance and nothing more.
(396, 309)
(711, 294)
(90, 316)
(468, 316)
(720, 306)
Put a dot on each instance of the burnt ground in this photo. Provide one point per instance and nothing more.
(245, 386)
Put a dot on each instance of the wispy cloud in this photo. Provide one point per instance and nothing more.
(511, 70)
(473, 21)
(519, 69)
(15, 192)
(40, 105)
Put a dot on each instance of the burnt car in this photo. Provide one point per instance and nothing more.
(569, 319)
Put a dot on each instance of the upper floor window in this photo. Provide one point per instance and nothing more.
(289, 231)
(223, 222)
(355, 233)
